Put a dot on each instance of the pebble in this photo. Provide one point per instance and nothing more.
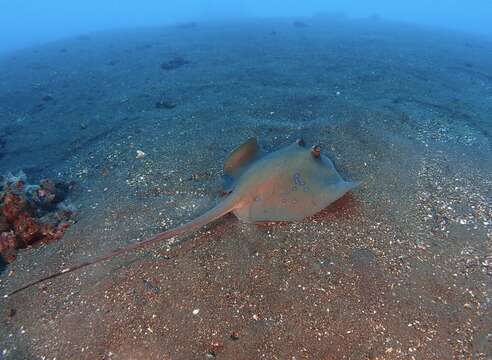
(140, 154)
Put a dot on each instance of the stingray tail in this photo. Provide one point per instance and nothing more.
(216, 212)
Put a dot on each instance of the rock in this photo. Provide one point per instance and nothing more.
(164, 104)
(174, 63)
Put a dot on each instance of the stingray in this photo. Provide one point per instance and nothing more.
(289, 184)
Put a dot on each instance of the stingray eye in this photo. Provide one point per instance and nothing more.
(300, 142)
(316, 151)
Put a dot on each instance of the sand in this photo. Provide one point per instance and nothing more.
(401, 268)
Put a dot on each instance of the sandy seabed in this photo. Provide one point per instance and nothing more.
(401, 268)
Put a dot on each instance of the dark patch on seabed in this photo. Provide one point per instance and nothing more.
(3, 265)
(142, 120)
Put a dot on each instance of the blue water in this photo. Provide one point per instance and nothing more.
(28, 22)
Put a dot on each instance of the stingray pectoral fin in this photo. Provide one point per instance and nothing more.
(241, 157)
(341, 188)
(228, 184)
(333, 192)
(350, 185)
(216, 212)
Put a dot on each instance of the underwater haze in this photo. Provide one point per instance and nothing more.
(29, 22)
(245, 180)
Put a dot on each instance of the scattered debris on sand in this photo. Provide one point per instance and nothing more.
(32, 214)
(165, 104)
(174, 63)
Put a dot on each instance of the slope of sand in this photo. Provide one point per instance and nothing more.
(399, 269)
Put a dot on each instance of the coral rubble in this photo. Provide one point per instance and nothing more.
(32, 214)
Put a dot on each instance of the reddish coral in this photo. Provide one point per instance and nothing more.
(29, 218)
(27, 229)
(47, 231)
(7, 241)
(19, 185)
(13, 206)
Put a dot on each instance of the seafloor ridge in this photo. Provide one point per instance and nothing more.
(141, 121)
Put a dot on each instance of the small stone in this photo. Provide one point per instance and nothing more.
(174, 63)
(83, 125)
(165, 104)
(235, 335)
(140, 154)
(196, 311)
